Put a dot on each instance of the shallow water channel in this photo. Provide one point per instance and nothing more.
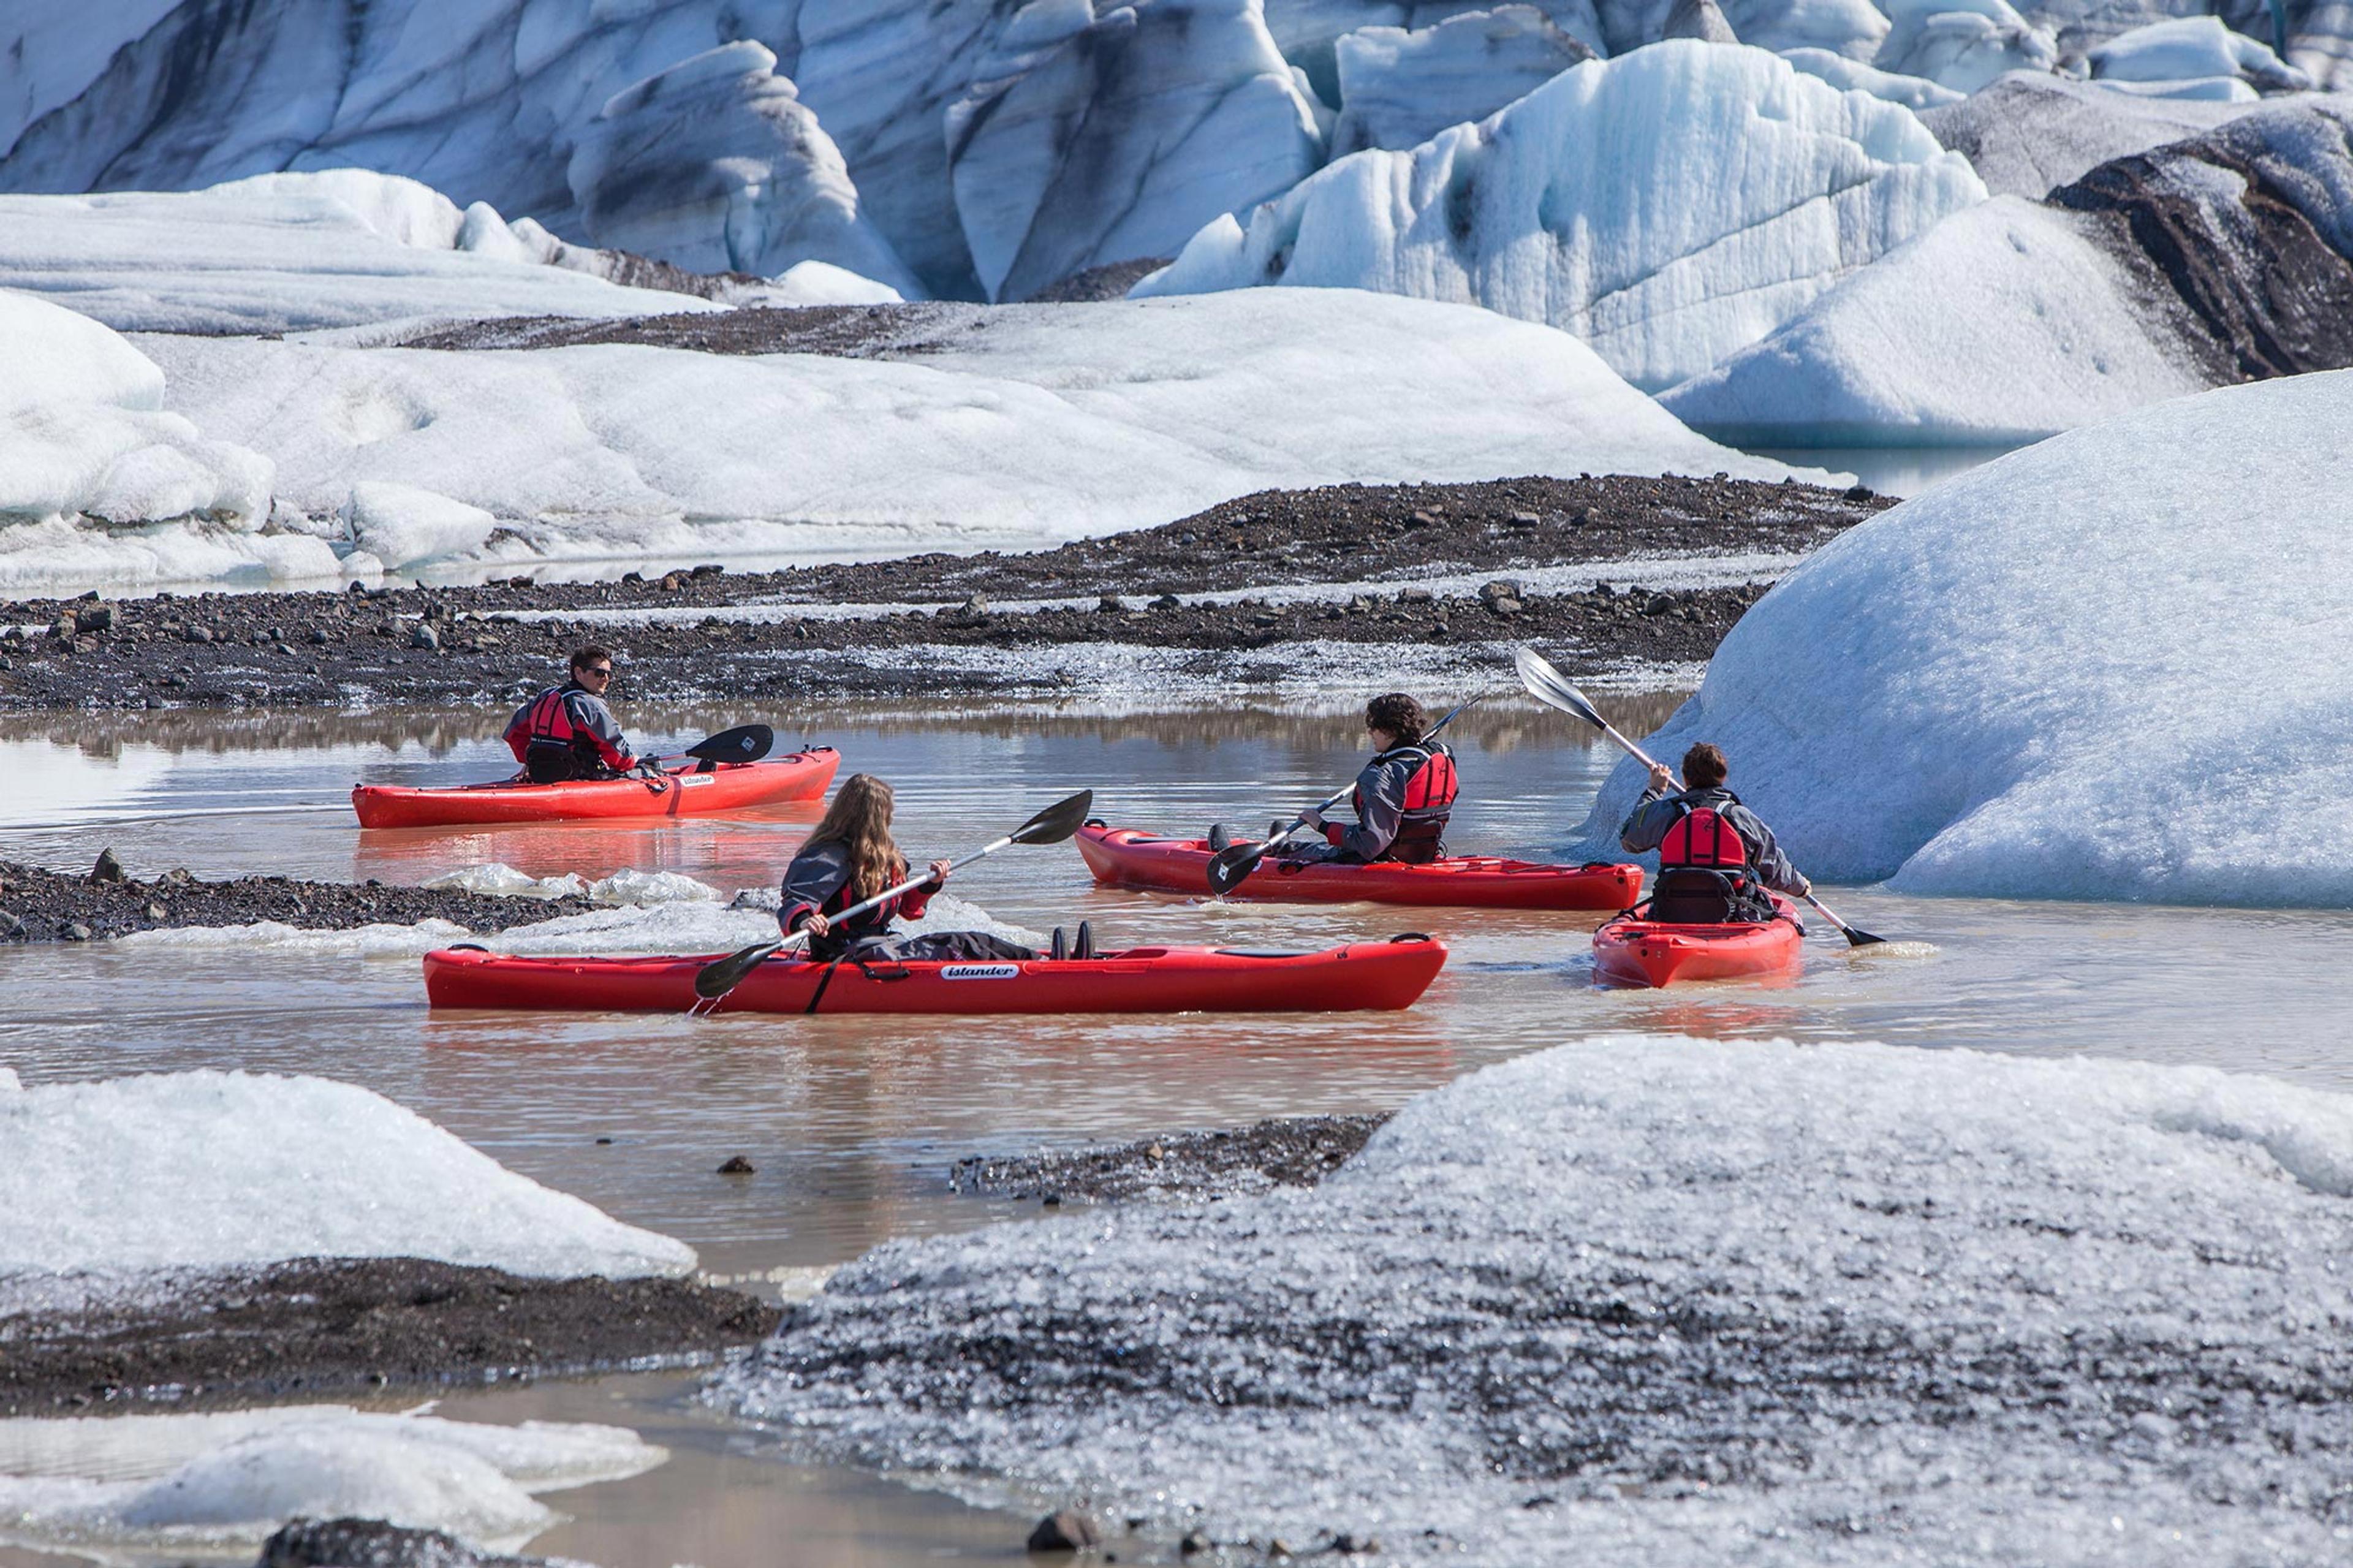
(853, 1122)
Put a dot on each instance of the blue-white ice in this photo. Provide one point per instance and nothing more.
(2109, 666)
(126, 1178)
(1963, 44)
(1669, 205)
(2193, 48)
(1652, 1300)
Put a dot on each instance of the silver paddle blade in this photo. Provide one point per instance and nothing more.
(1549, 686)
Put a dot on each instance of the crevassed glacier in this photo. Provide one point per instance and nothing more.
(2105, 667)
(1654, 1300)
(1670, 207)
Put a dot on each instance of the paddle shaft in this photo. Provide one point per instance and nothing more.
(800, 938)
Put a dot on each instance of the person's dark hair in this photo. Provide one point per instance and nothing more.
(589, 653)
(1704, 767)
(1398, 714)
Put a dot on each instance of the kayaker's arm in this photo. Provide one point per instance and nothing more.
(1772, 867)
(812, 878)
(1647, 824)
(592, 718)
(1381, 788)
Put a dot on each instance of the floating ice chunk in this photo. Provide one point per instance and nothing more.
(1670, 207)
(401, 524)
(151, 1485)
(1088, 139)
(2103, 667)
(1854, 76)
(212, 1170)
(2054, 1311)
(2191, 49)
(630, 886)
(1399, 88)
(503, 880)
(715, 165)
(1962, 43)
(2004, 323)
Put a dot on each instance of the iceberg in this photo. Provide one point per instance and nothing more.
(283, 253)
(1669, 207)
(1648, 1300)
(2188, 49)
(1009, 425)
(1088, 139)
(1963, 44)
(213, 1485)
(2105, 667)
(227, 1170)
(1852, 76)
(1398, 89)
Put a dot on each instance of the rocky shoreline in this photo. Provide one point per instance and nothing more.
(337, 1326)
(41, 905)
(1420, 566)
(1174, 1167)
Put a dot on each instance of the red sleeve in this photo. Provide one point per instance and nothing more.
(914, 902)
(1332, 833)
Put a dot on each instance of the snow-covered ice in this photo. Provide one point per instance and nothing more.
(217, 1484)
(1963, 44)
(1398, 89)
(1854, 76)
(2026, 133)
(2105, 667)
(281, 253)
(2004, 323)
(1024, 425)
(225, 1170)
(1663, 1300)
(2189, 48)
(1670, 207)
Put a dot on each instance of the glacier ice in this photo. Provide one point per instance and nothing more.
(1399, 88)
(1086, 140)
(2004, 323)
(1657, 1301)
(1016, 425)
(2187, 48)
(1854, 76)
(716, 165)
(2105, 667)
(2026, 134)
(212, 1484)
(281, 253)
(400, 525)
(1669, 205)
(212, 1170)
(1963, 44)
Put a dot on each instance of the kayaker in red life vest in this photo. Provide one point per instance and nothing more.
(847, 859)
(1402, 797)
(1706, 828)
(566, 731)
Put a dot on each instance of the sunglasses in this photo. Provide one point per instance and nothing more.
(598, 670)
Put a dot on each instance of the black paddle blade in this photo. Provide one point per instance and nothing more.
(1858, 937)
(1058, 821)
(716, 979)
(1231, 864)
(1549, 686)
(745, 743)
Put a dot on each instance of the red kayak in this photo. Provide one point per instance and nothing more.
(1631, 952)
(694, 790)
(1360, 977)
(1131, 857)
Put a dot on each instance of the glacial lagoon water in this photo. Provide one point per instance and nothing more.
(852, 1123)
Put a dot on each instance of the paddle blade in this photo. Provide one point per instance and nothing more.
(1058, 821)
(716, 979)
(745, 743)
(1231, 864)
(1549, 686)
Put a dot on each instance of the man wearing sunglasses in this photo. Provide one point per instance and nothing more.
(566, 731)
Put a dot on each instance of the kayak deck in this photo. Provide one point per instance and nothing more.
(1629, 951)
(1360, 976)
(1133, 859)
(689, 791)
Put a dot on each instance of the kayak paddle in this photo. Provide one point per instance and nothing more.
(1551, 687)
(1229, 866)
(745, 743)
(1052, 826)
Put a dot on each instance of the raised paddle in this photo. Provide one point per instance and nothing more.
(1550, 686)
(745, 743)
(1052, 826)
(1229, 866)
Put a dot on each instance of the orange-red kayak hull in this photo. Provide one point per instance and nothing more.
(1629, 951)
(730, 786)
(1131, 857)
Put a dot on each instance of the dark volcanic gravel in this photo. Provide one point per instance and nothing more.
(467, 644)
(37, 905)
(1289, 1152)
(338, 1325)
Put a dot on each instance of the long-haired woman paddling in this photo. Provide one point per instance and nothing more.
(850, 858)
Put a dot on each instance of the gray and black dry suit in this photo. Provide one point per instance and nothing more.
(817, 882)
(1654, 814)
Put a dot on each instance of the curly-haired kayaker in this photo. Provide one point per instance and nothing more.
(850, 858)
(1402, 797)
(567, 731)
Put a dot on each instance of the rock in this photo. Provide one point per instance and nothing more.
(373, 1543)
(1501, 588)
(197, 634)
(1169, 602)
(73, 931)
(424, 636)
(177, 877)
(158, 913)
(1505, 604)
(10, 926)
(971, 612)
(1278, 1547)
(1194, 1544)
(319, 637)
(737, 1165)
(1348, 1545)
(1266, 618)
(94, 618)
(1068, 1530)
(108, 869)
(1416, 595)
(1111, 604)
(1699, 19)
(1524, 519)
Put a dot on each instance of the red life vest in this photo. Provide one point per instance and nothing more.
(551, 718)
(1429, 794)
(1702, 837)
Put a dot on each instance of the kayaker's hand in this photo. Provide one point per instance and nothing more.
(940, 869)
(1663, 779)
(815, 925)
(1312, 818)
(1804, 886)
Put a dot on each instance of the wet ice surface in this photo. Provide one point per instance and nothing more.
(1673, 1301)
(853, 1122)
